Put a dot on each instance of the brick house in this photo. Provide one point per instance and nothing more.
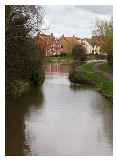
(68, 43)
(48, 44)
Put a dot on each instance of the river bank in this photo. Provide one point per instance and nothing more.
(96, 74)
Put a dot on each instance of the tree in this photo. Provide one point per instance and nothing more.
(79, 53)
(35, 15)
(104, 38)
(23, 57)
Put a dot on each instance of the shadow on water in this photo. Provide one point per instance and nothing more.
(16, 108)
(76, 87)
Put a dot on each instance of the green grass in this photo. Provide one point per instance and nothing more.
(86, 74)
(106, 67)
(87, 67)
(55, 59)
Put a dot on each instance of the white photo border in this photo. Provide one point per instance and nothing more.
(2, 77)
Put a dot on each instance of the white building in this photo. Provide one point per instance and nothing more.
(89, 48)
(96, 50)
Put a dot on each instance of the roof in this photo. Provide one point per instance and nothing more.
(68, 42)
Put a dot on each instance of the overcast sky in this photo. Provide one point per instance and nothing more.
(75, 20)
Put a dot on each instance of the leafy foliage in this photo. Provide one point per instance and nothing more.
(79, 53)
(33, 13)
(104, 37)
(22, 54)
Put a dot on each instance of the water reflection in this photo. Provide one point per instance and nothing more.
(105, 111)
(57, 68)
(15, 111)
(101, 108)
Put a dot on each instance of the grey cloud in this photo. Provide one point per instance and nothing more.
(78, 20)
(104, 9)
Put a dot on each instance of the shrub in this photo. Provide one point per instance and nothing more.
(81, 77)
(79, 53)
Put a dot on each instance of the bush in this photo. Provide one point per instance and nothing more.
(79, 53)
(63, 54)
(81, 77)
(37, 78)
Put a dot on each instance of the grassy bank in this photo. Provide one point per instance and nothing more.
(87, 74)
(58, 58)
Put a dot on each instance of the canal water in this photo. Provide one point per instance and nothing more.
(59, 119)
